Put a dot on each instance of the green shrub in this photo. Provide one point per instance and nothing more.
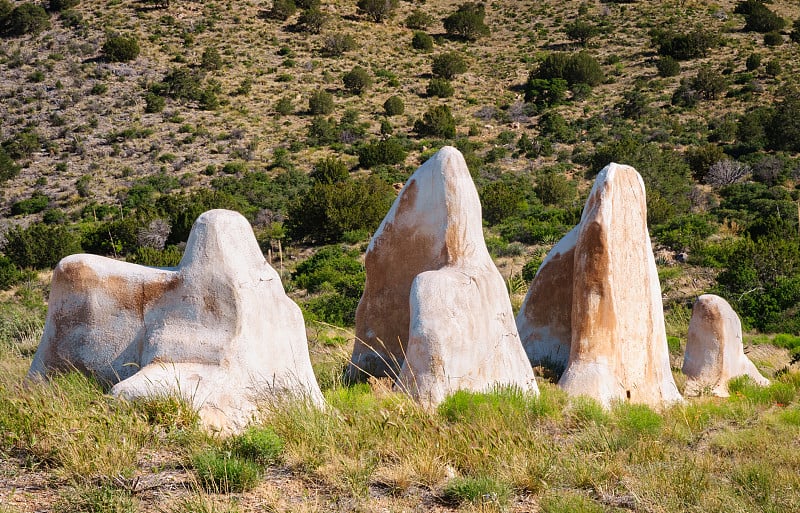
(422, 41)
(337, 44)
(575, 68)
(684, 46)
(211, 60)
(154, 103)
(320, 103)
(448, 65)
(440, 87)
(753, 62)
(170, 412)
(219, 472)
(480, 490)
(167, 257)
(437, 121)
(759, 18)
(419, 20)
(394, 106)
(377, 10)
(10, 274)
(97, 499)
(668, 67)
(281, 10)
(357, 80)
(327, 211)
(33, 205)
(26, 18)
(581, 31)
(258, 444)
(62, 5)
(773, 68)
(467, 22)
(773, 38)
(709, 83)
(8, 167)
(312, 20)
(502, 199)
(284, 107)
(544, 92)
(388, 151)
(554, 188)
(795, 33)
(40, 246)
(120, 48)
(321, 131)
(330, 170)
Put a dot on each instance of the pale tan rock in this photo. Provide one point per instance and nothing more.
(598, 295)
(217, 330)
(435, 312)
(714, 351)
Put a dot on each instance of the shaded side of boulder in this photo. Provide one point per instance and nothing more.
(618, 344)
(714, 350)
(545, 317)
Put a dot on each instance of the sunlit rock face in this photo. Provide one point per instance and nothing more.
(594, 307)
(435, 314)
(714, 351)
(218, 330)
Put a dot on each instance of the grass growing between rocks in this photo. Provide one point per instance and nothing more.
(373, 449)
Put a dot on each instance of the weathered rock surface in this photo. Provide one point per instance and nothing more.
(597, 298)
(714, 351)
(217, 330)
(435, 313)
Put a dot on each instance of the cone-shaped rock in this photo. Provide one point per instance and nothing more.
(435, 312)
(598, 295)
(217, 330)
(714, 351)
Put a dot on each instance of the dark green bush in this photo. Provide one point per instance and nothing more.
(10, 274)
(330, 170)
(62, 5)
(553, 188)
(701, 158)
(684, 46)
(332, 268)
(337, 44)
(668, 66)
(327, 211)
(23, 144)
(422, 41)
(388, 151)
(759, 18)
(33, 205)
(284, 106)
(773, 68)
(377, 10)
(544, 92)
(437, 121)
(467, 22)
(419, 20)
(575, 68)
(40, 246)
(753, 62)
(795, 33)
(154, 103)
(709, 83)
(502, 199)
(8, 167)
(581, 31)
(121, 48)
(448, 65)
(26, 18)
(320, 103)
(322, 131)
(357, 80)
(394, 106)
(211, 60)
(773, 38)
(180, 84)
(312, 20)
(440, 88)
(281, 10)
(222, 472)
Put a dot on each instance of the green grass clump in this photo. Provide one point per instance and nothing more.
(569, 502)
(102, 499)
(258, 444)
(480, 490)
(744, 388)
(170, 412)
(586, 411)
(223, 472)
(468, 406)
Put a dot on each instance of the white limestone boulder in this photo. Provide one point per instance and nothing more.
(714, 351)
(218, 330)
(435, 314)
(597, 297)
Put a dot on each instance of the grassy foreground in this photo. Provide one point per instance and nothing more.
(66, 447)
